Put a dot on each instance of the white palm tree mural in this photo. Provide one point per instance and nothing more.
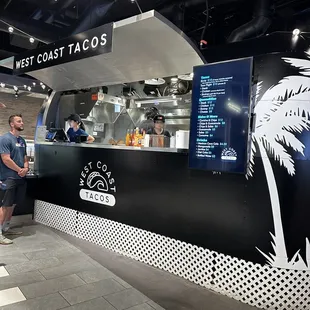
(284, 109)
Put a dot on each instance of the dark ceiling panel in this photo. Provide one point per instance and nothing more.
(50, 20)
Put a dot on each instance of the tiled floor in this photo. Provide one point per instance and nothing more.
(48, 270)
(43, 271)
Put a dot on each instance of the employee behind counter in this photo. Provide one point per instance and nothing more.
(76, 132)
(159, 127)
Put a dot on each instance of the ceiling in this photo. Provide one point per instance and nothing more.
(50, 20)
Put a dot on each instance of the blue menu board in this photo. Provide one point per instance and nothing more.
(220, 116)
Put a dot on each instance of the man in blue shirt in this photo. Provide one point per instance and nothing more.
(14, 166)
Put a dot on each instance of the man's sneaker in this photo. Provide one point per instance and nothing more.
(12, 232)
(5, 241)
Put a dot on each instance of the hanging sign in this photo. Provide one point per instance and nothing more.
(90, 43)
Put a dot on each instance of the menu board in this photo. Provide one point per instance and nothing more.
(220, 116)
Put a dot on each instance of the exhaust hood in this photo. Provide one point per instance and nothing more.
(177, 109)
(144, 47)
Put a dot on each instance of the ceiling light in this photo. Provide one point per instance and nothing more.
(186, 77)
(132, 1)
(43, 86)
(11, 29)
(159, 81)
(31, 40)
(2, 85)
(41, 83)
(15, 88)
(34, 83)
(29, 88)
(25, 86)
(296, 32)
(174, 80)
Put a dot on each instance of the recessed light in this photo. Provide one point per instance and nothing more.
(11, 29)
(296, 32)
(31, 40)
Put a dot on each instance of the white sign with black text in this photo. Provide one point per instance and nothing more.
(84, 45)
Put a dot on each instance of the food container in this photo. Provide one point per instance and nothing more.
(159, 141)
(182, 139)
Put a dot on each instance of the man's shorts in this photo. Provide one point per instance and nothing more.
(13, 192)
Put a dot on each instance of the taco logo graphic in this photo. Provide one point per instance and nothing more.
(97, 184)
(229, 154)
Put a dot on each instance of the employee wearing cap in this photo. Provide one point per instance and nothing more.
(77, 129)
(159, 124)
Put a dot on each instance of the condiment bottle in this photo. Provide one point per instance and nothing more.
(128, 138)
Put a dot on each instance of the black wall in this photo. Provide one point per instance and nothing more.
(157, 192)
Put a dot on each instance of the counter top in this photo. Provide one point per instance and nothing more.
(117, 147)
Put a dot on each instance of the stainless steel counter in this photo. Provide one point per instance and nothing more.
(117, 147)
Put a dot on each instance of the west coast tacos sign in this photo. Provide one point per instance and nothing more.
(83, 45)
(97, 184)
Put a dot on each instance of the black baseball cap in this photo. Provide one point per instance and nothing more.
(159, 118)
(74, 117)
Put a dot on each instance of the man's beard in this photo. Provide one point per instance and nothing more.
(20, 128)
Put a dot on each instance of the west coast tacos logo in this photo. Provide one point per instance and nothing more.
(97, 184)
(229, 154)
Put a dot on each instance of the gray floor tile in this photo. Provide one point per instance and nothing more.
(98, 274)
(122, 282)
(75, 257)
(20, 279)
(9, 250)
(31, 241)
(95, 275)
(60, 252)
(67, 244)
(155, 305)
(65, 269)
(51, 286)
(141, 307)
(96, 264)
(24, 248)
(49, 302)
(33, 265)
(91, 291)
(13, 259)
(95, 304)
(54, 245)
(126, 299)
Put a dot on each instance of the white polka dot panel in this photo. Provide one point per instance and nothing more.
(261, 286)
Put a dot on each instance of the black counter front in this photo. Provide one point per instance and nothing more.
(27, 206)
(156, 191)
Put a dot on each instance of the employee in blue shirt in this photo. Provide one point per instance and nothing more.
(77, 129)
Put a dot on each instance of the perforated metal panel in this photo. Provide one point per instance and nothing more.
(57, 217)
(261, 286)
